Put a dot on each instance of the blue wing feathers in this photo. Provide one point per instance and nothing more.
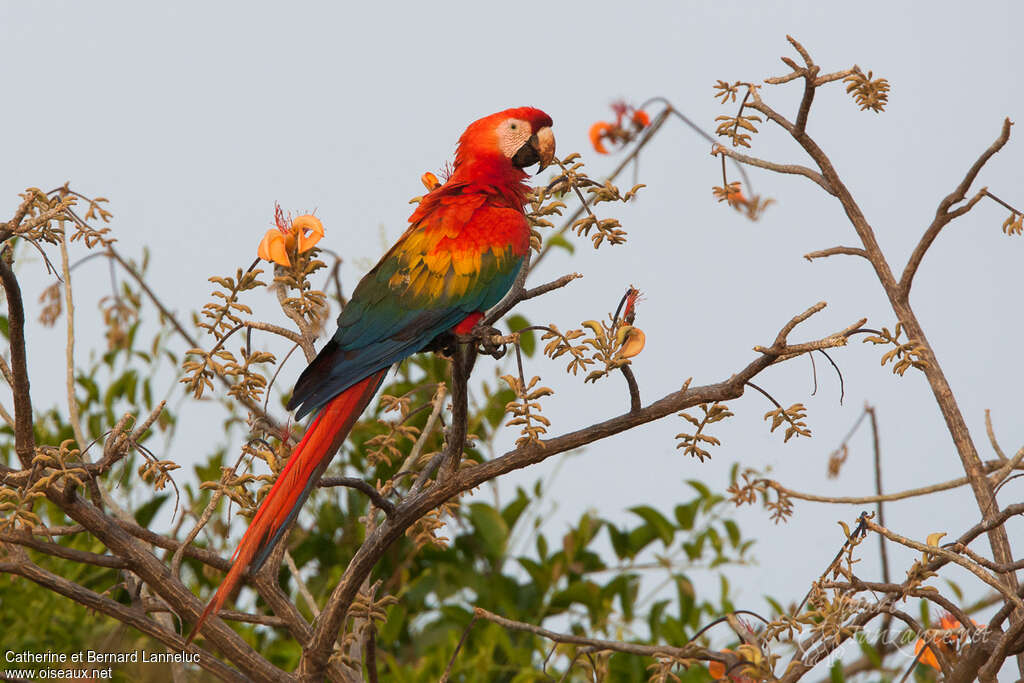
(388, 320)
(362, 348)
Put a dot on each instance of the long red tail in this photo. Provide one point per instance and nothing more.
(307, 462)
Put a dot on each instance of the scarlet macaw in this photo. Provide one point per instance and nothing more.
(464, 247)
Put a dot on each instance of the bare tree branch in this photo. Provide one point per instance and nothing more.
(943, 215)
(789, 169)
(833, 251)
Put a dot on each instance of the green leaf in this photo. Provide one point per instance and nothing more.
(624, 586)
(695, 548)
(654, 618)
(716, 540)
(657, 521)
(686, 514)
(391, 628)
(513, 510)
(91, 388)
(495, 412)
(673, 631)
(700, 488)
(727, 605)
(147, 511)
(776, 605)
(586, 593)
(562, 243)
(687, 597)
(527, 340)
(620, 542)
(640, 537)
(869, 650)
(733, 530)
(491, 528)
(540, 574)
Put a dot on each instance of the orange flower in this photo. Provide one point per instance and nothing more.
(944, 642)
(598, 132)
(717, 671)
(621, 132)
(290, 236)
(928, 658)
(430, 181)
(731, 193)
(633, 341)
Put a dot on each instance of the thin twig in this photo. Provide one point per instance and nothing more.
(864, 500)
(69, 347)
(303, 589)
(834, 251)
(943, 215)
(879, 511)
(992, 435)
(788, 169)
(364, 487)
(688, 652)
(970, 566)
(412, 459)
(458, 646)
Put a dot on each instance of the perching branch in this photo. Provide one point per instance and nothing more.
(418, 502)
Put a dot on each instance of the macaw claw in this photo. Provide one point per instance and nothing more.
(485, 335)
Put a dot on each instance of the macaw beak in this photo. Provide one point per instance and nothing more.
(540, 148)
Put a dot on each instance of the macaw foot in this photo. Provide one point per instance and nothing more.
(444, 344)
(484, 336)
(447, 342)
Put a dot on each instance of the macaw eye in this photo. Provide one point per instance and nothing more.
(512, 134)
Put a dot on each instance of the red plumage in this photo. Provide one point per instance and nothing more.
(303, 470)
(466, 242)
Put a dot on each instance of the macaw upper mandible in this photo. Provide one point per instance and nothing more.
(465, 245)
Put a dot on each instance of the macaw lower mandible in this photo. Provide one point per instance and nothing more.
(465, 245)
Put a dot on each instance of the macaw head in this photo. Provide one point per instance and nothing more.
(507, 142)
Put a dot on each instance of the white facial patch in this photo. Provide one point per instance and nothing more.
(513, 134)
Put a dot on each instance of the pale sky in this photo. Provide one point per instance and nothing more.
(194, 118)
